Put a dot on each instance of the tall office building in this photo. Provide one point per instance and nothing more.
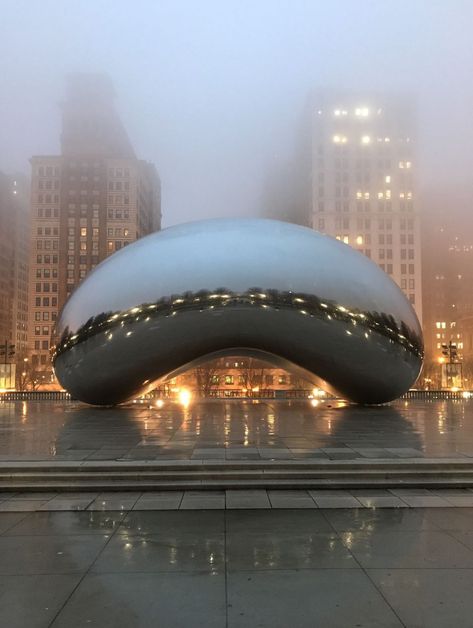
(447, 239)
(363, 184)
(88, 202)
(14, 252)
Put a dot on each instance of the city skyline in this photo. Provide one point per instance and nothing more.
(215, 115)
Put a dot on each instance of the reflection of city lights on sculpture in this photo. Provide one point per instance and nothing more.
(184, 397)
(159, 403)
(193, 292)
(314, 402)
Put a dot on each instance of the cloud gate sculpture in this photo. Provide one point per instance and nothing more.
(274, 290)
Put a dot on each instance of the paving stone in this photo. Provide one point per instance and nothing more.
(203, 500)
(247, 499)
(291, 499)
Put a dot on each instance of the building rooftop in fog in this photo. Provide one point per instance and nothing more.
(90, 122)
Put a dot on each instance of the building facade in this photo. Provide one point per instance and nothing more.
(447, 236)
(86, 203)
(363, 182)
(14, 253)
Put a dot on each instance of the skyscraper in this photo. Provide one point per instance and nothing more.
(447, 240)
(88, 202)
(14, 251)
(363, 184)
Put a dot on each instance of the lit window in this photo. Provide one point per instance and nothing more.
(387, 178)
(362, 112)
(83, 232)
(359, 239)
(365, 139)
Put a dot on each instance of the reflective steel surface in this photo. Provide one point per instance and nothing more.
(271, 289)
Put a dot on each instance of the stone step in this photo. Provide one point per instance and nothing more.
(150, 476)
(294, 484)
(164, 475)
(228, 465)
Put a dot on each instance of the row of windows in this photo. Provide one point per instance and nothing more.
(118, 232)
(46, 259)
(46, 273)
(48, 198)
(48, 171)
(47, 245)
(41, 344)
(95, 206)
(45, 301)
(118, 199)
(46, 287)
(83, 232)
(41, 331)
(48, 185)
(42, 359)
(38, 316)
(83, 178)
(115, 246)
(118, 185)
(71, 260)
(118, 214)
(48, 231)
(230, 379)
(48, 212)
(118, 172)
(366, 206)
(71, 273)
(71, 245)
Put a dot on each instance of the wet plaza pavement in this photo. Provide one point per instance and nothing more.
(367, 557)
(236, 430)
(242, 568)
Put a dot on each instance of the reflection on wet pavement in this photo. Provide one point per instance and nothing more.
(339, 568)
(235, 430)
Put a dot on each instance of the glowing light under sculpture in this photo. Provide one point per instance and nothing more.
(274, 290)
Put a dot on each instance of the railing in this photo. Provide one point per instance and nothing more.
(35, 395)
(429, 395)
(222, 393)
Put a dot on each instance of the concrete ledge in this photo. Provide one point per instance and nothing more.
(203, 475)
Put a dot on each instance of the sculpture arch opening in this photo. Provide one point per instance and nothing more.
(225, 286)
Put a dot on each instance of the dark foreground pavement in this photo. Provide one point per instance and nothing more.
(369, 567)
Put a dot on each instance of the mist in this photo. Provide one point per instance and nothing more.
(212, 92)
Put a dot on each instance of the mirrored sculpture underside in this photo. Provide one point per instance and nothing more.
(284, 293)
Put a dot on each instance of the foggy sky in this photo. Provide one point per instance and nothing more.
(211, 91)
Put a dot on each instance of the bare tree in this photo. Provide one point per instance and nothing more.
(252, 374)
(206, 378)
(26, 375)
